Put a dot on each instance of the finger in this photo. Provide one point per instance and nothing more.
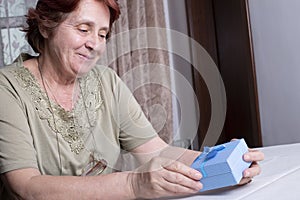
(180, 179)
(254, 170)
(183, 169)
(245, 181)
(177, 189)
(253, 155)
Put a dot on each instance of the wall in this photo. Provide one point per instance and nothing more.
(275, 32)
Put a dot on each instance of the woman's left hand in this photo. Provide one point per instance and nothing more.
(252, 156)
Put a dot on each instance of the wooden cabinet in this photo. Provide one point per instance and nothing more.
(222, 28)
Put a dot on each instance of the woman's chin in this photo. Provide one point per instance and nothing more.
(82, 72)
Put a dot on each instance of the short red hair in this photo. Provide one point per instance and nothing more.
(48, 14)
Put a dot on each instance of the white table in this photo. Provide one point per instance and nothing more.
(280, 178)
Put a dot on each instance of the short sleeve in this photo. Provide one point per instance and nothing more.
(135, 128)
(16, 146)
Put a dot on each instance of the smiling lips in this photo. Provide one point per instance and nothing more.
(87, 57)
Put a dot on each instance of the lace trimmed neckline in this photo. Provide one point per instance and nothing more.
(75, 125)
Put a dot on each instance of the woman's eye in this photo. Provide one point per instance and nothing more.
(83, 30)
(103, 35)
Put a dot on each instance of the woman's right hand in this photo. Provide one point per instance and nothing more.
(164, 177)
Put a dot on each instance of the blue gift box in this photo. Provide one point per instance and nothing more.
(222, 165)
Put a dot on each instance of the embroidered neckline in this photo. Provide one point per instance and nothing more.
(73, 125)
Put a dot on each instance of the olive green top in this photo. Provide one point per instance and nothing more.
(105, 119)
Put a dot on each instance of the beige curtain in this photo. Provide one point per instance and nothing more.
(145, 70)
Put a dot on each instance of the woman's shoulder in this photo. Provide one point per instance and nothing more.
(104, 70)
(9, 67)
(10, 89)
(6, 72)
(105, 73)
(15, 77)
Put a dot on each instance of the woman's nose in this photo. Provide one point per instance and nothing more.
(93, 42)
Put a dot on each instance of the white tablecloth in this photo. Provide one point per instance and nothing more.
(280, 178)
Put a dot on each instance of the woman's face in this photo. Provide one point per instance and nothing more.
(78, 42)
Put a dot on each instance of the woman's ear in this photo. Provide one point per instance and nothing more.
(43, 31)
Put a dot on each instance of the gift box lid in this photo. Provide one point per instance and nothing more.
(228, 158)
(222, 159)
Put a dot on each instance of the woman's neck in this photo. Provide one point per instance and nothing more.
(59, 87)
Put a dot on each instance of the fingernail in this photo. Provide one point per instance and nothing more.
(246, 174)
(198, 175)
(199, 186)
(246, 157)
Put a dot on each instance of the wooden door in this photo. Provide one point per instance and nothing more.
(222, 28)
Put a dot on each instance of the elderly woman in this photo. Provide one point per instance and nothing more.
(64, 120)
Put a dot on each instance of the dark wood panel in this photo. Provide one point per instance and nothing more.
(222, 28)
(201, 28)
(238, 71)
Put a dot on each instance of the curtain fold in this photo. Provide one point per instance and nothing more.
(145, 70)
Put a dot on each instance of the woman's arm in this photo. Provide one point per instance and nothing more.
(157, 178)
(30, 184)
(158, 147)
(168, 174)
